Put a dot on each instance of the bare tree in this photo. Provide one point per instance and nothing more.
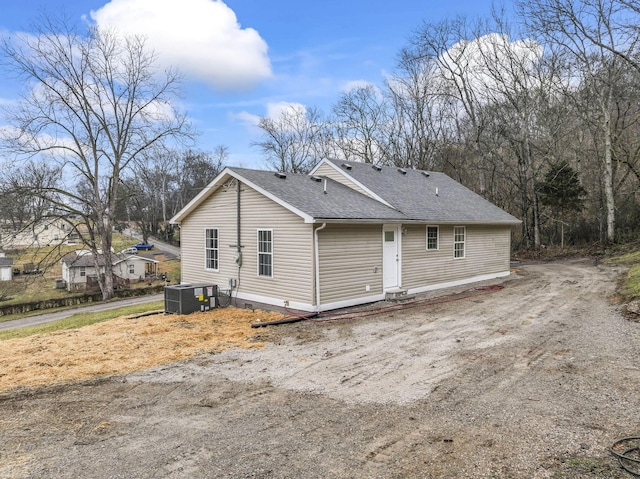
(422, 119)
(294, 140)
(451, 45)
(93, 104)
(360, 117)
(165, 180)
(193, 171)
(584, 30)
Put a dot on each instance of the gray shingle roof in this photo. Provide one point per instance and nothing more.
(436, 197)
(84, 259)
(4, 261)
(414, 195)
(307, 195)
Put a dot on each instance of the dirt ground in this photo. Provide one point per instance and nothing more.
(536, 380)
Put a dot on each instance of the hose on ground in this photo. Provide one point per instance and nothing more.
(412, 304)
(627, 450)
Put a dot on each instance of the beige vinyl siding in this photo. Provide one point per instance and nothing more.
(349, 258)
(487, 251)
(330, 172)
(292, 246)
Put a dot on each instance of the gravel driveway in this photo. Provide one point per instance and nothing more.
(534, 381)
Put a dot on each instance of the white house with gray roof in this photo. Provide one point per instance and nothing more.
(349, 233)
(80, 265)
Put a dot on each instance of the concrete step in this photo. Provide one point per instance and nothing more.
(397, 295)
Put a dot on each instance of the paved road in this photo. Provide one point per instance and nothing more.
(49, 317)
(90, 308)
(158, 244)
(167, 248)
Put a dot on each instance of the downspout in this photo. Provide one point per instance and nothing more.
(317, 265)
(239, 248)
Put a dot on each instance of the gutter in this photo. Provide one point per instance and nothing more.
(317, 264)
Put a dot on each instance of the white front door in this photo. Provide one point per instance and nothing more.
(390, 257)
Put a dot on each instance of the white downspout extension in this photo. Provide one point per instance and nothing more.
(317, 265)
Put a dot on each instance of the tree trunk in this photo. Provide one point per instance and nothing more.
(106, 233)
(534, 202)
(608, 173)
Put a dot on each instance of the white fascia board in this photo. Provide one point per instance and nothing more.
(141, 258)
(351, 178)
(217, 182)
(307, 218)
(200, 197)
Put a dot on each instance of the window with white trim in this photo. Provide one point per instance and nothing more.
(432, 238)
(265, 253)
(459, 233)
(132, 269)
(211, 249)
(83, 271)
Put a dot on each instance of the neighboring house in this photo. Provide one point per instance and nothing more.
(6, 268)
(349, 233)
(48, 232)
(79, 269)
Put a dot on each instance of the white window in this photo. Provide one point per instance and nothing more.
(458, 241)
(432, 238)
(265, 253)
(83, 271)
(211, 249)
(132, 269)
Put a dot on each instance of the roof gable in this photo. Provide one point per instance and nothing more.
(390, 194)
(318, 198)
(424, 195)
(312, 199)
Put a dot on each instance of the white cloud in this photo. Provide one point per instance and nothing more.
(246, 118)
(276, 111)
(491, 63)
(279, 109)
(200, 37)
(355, 84)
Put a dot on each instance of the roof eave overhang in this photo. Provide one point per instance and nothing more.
(218, 182)
(200, 197)
(412, 221)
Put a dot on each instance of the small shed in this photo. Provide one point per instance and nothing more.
(6, 268)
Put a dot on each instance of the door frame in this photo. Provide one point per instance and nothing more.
(398, 240)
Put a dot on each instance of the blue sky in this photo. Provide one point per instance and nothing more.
(242, 59)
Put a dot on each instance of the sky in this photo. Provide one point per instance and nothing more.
(243, 59)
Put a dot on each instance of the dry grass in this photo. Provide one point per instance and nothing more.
(124, 345)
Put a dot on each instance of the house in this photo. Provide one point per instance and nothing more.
(46, 232)
(79, 269)
(6, 268)
(349, 233)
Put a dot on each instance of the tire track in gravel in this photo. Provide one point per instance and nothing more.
(411, 354)
(533, 337)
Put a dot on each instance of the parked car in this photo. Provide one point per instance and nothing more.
(132, 250)
(143, 246)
